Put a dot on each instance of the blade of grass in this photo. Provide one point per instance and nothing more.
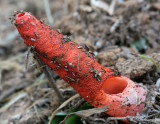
(147, 57)
(62, 105)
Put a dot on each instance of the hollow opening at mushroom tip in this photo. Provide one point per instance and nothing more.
(115, 85)
(21, 14)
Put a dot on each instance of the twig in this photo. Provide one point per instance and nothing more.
(48, 13)
(36, 102)
(68, 91)
(37, 83)
(12, 90)
(153, 115)
(0, 79)
(37, 114)
(6, 106)
(112, 7)
(78, 61)
(78, 104)
(52, 82)
(96, 119)
(28, 52)
(135, 119)
(104, 6)
(115, 25)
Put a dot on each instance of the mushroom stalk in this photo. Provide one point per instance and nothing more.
(98, 85)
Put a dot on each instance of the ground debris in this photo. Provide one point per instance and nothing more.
(109, 32)
(136, 67)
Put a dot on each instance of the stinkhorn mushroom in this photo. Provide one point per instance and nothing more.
(98, 85)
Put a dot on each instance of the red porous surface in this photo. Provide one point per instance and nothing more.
(96, 84)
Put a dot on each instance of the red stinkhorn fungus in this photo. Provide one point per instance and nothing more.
(96, 84)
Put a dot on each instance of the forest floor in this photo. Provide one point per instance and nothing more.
(112, 33)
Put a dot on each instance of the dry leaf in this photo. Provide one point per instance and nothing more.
(62, 105)
(87, 113)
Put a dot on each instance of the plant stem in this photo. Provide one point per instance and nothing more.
(146, 57)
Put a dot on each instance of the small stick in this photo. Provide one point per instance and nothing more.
(78, 104)
(135, 119)
(48, 12)
(78, 61)
(0, 79)
(28, 52)
(52, 82)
